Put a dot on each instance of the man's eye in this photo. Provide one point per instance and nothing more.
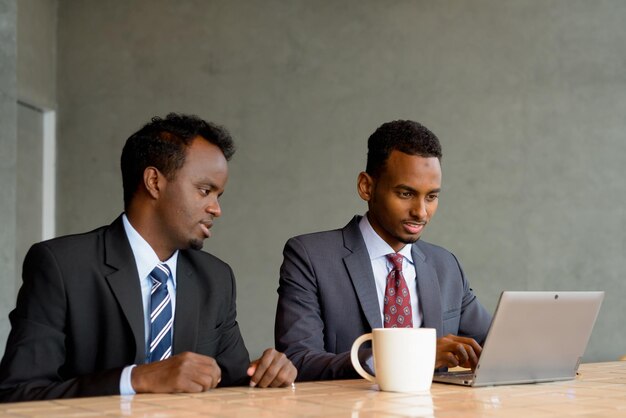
(204, 192)
(405, 195)
(432, 197)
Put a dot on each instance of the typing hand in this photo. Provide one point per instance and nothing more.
(185, 372)
(453, 351)
(273, 369)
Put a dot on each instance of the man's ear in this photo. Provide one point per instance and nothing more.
(153, 181)
(365, 186)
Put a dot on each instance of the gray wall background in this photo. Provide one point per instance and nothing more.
(8, 157)
(527, 97)
(28, 74)
(37, 49)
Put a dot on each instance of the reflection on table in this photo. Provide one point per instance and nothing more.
(599, 390)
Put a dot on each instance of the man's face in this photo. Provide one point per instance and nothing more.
(403, 198)
(189, 202)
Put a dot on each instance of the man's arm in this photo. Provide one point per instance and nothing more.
(36, 352)
(464, 349)
(475, 319)
(227, 352)
(299, 327)
(232, 354)
(272, 369)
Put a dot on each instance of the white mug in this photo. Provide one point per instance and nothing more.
(404, 358)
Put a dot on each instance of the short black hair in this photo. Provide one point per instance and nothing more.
(405, 136)
(162, 143)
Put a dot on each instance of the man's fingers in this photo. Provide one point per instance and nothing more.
(447, 359)
(461, 353)
(262, 364)
(286, 376)
(466, 355)
(268, 368)
(455, 351)
(471, 342)
(201, 370)
(186, 372)
(273, 369)
(269, 376)
(473, 357)
(252, 368)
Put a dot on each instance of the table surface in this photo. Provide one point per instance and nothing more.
(599, 390)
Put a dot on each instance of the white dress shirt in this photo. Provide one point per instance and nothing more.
(377, 249)
(146, 260)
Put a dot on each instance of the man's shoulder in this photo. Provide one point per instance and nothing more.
(74, 241)
(319, 236)
(428, 247)
(75, 255)
(329, 236)
(433, 253)
(322, 243)
(203, 260)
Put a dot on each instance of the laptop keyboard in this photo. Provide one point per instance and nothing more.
(461, 375)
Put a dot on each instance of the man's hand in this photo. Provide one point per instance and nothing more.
(185, 372)
(453, 351)
(273, 369)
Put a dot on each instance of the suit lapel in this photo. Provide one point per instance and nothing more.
(186, 316)
(359, 269)
(124, 282)
(428, 291)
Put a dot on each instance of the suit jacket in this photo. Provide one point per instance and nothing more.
(327, 298)
(79, 318)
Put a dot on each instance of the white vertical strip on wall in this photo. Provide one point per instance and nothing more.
(49, 175)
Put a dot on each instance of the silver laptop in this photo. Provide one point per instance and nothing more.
(534, 337)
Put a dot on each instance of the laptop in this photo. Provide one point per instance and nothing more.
(534, 337)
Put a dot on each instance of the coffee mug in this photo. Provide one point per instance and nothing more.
(404, 358)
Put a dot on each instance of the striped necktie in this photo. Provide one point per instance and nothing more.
(161, 319)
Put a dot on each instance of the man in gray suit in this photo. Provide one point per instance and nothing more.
(336, 285)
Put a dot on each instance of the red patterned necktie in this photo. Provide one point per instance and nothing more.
(397, 307)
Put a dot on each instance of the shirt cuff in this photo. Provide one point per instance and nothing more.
(126, 387)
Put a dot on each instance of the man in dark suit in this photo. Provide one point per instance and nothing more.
(135, 306)
(375, 272)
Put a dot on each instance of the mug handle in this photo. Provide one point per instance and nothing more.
(354, 356)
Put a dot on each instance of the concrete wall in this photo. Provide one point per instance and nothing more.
(8, 134)
(528, 98)
(27, 74)
(36, 91)
(36, 58)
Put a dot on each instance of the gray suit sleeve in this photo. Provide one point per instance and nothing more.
(299, 328)
(475, 320)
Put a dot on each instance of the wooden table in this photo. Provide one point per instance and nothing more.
(598, 391)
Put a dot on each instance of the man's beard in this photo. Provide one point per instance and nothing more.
(196, 244)
(408, 240)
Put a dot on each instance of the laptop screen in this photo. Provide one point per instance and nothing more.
(537, 336)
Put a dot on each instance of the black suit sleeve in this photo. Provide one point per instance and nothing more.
(33, 364)
(232, 355)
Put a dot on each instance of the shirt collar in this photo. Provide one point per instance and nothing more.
(376, 246)
(145, 257)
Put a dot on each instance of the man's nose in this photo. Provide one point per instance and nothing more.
(214, 208)
(418, 209)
